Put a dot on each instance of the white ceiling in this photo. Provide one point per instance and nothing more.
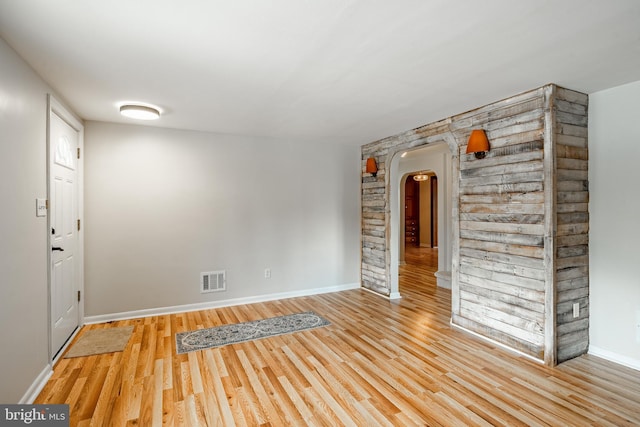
(346, 71)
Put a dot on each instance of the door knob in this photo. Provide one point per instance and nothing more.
(55, 248)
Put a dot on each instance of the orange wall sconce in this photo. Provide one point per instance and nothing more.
(478, 143)
(372, 167)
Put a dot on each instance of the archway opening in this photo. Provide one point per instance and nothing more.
(432, 240)
(419, 253)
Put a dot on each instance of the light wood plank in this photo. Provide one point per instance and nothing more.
(380, 362)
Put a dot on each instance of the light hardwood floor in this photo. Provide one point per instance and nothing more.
(379, 363)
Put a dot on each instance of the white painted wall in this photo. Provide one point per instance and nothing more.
(163, 205)
(614, 241)
(23, 264)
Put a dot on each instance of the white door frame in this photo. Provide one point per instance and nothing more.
(56, 107)
(434, 157)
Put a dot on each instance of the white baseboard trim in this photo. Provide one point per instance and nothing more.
(494, 342)
(161, 311)
(443, 279)
(391, 296)
(37, 386)
(41, 380)
(395, 295)
(615, 357)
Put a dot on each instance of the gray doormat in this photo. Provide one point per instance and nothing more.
(247, 331)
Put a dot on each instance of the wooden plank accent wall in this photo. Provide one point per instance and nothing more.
(572, 217)
(501, 277)
(520, 225)
(375, 200)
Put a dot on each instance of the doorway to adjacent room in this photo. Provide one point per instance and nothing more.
(420, 230)
(420, 225)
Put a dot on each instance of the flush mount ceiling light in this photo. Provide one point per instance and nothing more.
(421, 177)
(140, 112)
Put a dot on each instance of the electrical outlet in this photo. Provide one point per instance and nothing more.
(267, 273)
(638, 326)
(576, 310)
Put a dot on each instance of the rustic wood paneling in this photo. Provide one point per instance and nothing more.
(520, 215)
(502, 290)
(572, 217)
(375, 200)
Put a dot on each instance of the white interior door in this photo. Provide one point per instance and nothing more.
(64, 216)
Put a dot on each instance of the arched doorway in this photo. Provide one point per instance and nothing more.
(436, 159)
(420, 231)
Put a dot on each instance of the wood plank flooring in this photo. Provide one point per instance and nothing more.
(379, 363)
